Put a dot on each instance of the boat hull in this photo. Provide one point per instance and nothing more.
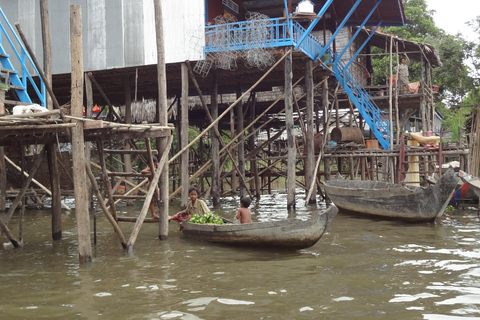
(391, 200)
(287, 234)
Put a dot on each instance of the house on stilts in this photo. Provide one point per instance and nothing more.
(296, 72)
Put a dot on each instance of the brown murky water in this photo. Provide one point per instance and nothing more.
(361, 269)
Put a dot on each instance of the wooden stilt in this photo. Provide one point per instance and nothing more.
(215, 144)
(128, 120)
(106, 180)
(325, 103)
(291, 149)
(88, 144)
(56, 192)
(253, 161)
(310, 161)
(110, 218)
(241, 138)
(162, 113)
(148, 198)
(3, 167)
(184, 124)
(78, 146)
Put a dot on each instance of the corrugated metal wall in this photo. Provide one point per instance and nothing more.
(116, 33)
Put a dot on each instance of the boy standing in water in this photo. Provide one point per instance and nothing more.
(244, 214)
(194, 206)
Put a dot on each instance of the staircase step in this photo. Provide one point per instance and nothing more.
(16, 87)
(3, 70)
(4, 55)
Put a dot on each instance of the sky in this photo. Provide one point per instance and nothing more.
(452, 15)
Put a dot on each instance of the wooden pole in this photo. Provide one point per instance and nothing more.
(148, 198)
(106, 180)
(25, 185)
(241, 139)
(78, 145)
(184, 124)
(37, 65)
(291, 148)
(88, 144)
(162, 112)
(390, 95)
(3, 166)
(34, 181)
(110, 218)
(107, 101)
(215, 139)
(310, 162)
(233, 179)
(127, 160)
(253, 161)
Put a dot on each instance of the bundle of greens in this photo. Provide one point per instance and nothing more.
(206, 218)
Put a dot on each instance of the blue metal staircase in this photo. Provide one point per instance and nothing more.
(291, 33)
(14, 80)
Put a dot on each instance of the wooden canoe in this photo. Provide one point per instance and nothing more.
(394, 201)
(287, 234)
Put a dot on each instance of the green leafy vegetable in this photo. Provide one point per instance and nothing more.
(206, 218)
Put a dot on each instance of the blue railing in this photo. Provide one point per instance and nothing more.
(311, 46)
(374, 117)
(244, 35)
(277, 33)
(19, 81)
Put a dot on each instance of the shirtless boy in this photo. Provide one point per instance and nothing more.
(244, 214)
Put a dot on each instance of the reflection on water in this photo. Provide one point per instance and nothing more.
(361, 269)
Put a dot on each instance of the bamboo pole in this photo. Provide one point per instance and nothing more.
(20, 195)
(106, 180)
(148, 198)
(37, 65)
(110, 218)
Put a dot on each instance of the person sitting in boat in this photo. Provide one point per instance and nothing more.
(194, 206)
(148, 171)
(244, 213)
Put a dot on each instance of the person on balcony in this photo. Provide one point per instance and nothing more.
(402, 74)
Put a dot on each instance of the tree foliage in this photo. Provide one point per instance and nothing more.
(459, 76)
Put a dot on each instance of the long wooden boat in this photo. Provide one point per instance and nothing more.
(287, 234)
(390, 200)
